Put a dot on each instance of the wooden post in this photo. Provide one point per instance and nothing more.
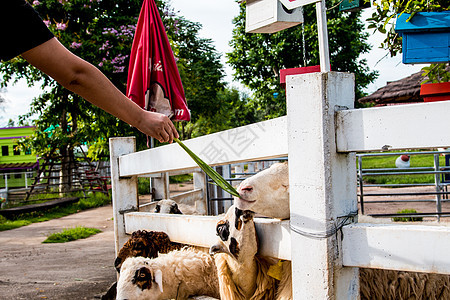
(322, 185)
(124, 189)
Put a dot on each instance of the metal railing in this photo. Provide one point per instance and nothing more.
(441, 181)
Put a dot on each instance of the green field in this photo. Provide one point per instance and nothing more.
(384, 162)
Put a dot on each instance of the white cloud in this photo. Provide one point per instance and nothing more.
(17, 101)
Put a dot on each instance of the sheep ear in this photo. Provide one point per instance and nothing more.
(158, 279)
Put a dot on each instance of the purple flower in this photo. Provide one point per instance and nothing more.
(36, 2)
(119, 59)
(75, 45)
(61, 26)
(105, 46)
(118, 69)
(47, 22)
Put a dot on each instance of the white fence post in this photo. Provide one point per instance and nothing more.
(322, 185)
(199, 179)
(161, 186)
(124, 189)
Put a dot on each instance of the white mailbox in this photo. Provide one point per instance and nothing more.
(269, 16)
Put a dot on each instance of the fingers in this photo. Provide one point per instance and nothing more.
(160, 127)
(168, 132)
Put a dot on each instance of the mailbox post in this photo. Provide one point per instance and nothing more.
(270, 16)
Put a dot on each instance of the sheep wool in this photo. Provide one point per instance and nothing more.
(393, 285)
(147, 244)
(176, 275)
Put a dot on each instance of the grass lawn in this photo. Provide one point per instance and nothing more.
(71, 234)
(384, 162)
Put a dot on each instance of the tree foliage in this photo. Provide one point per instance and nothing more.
(383, 20)
(101, 32)
(258, 58)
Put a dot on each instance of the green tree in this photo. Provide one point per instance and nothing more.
(101, 32)
(383, 20)
(201, 72)
(258, 58)
(234, 109)
(214, 107)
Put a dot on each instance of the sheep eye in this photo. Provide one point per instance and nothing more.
(142, 278)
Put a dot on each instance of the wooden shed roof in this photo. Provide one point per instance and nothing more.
(400, 91)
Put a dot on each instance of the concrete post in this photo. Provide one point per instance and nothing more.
(322, 185)
(161, 186)
(124, 189)
(200, 183)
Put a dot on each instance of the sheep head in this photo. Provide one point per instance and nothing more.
(167, 206)
(237, 234)
(266, 193)
(142, 243)
(138, 280)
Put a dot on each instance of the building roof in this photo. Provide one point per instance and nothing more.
(401, 91)
(18, 166)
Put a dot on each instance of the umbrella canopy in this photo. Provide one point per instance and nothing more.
(153, 79)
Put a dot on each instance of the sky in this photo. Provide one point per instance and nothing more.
(216, 17)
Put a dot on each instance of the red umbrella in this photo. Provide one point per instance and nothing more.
(153, 79)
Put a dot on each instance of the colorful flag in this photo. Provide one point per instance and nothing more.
(153, 79)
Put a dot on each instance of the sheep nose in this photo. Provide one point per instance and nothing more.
(245, 189)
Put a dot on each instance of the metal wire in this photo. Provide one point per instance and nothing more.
(326, 234)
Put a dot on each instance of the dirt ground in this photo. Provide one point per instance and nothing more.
(403, 201)
(84, 269)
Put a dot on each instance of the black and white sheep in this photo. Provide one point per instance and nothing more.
(267, 193)
(167, 206)
(242, 273)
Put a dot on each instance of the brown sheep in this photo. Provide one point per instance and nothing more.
(146, 244)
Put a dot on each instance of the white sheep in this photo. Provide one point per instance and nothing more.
(176, 275)
(266, 193)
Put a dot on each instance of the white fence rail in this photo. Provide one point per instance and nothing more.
(320, 134)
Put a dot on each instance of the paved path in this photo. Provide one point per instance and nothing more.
(81, 269)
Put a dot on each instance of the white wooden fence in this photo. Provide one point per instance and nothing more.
(321, 133)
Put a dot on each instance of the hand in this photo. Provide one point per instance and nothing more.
(158, 126)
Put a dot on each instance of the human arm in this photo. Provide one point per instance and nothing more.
(87, 81)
